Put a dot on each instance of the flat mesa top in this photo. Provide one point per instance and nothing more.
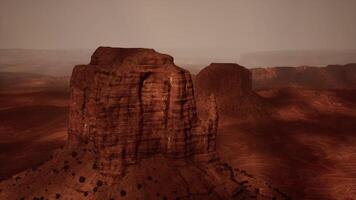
(141, 56)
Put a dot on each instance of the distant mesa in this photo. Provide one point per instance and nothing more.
(297, 57)
(329, 77)
(224, 78)
(134, 133)
(232, 86)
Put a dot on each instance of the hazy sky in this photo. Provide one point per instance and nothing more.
(220, 28)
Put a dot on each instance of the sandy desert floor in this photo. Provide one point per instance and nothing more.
(33, 121)
(306, 148)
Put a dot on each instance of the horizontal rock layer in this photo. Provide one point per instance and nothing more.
(134, 103)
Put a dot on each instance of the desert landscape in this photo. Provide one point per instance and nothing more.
(177, 100)
(298, 138)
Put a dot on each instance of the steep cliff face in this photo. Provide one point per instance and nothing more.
(135, 103)
(329, 77)
(232, 86)
(134, 133)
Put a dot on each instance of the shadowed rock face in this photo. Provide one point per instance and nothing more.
(224, 78)
(329, 77)
(232, 86)
(135, 103)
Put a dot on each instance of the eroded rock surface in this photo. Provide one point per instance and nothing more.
(232, 86)
(135, 103)
(134, 133)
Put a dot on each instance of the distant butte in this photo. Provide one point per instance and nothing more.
(134, 133)
(231, 84)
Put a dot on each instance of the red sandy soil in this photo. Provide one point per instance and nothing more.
(33, 120)
(306, 149)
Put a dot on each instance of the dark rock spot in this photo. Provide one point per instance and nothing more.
(123, 193)
(74, 154)
(139, 186)
(99, 183)
(95, 166)
(257, 190)
(82, 179)
(65, 167)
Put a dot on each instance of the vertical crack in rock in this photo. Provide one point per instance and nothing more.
(136, 103)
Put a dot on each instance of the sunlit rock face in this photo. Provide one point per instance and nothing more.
(134, 103)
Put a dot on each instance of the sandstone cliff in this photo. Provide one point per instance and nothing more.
(329, 77)
(134, 133)
(232, 86)
(135, 103)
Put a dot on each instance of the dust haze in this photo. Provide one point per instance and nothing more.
(168, 99)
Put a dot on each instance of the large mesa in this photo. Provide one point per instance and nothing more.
(131, 104)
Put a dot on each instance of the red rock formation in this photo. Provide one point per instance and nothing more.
(134, 133)
(329, 77)
(134, 103)
(223, 78)
(232, 86)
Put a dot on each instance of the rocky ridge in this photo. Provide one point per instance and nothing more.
(329, 77)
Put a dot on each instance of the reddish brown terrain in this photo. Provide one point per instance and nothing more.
(33, 119)
(134, 133)
(306, 147)
(300, 140)
(304, 142)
